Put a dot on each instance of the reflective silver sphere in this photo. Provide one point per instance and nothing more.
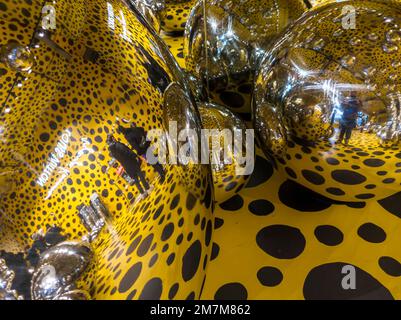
(59, 268)
(17, 57)
(6, 280)
(237, 35)
(226, 178)
(327, 101)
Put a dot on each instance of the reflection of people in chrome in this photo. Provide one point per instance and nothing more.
(348, 121)
(136, 137)
(130, 162)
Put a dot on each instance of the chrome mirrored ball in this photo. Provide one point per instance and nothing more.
(17, 57)
(58, 270)
(223, 123)
(6, 281)
(225, 39)
(327, 102)
(149, 11)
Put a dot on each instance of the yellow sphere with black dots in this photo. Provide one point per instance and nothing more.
(169, 15)
(224, 41)
(326, 101)
(77, 102)
(175, 15)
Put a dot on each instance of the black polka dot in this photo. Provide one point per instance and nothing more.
(158, 212)
(281, 241)
(208, 197)
(215, 251)
(133, 245)
(173, 291)
(392, 204)
(270, 276)
(130, 277)
(145, 245)
(332, 161)
(153, 260)
(324, 283)
(44, 137)
(174, 202)
(191, 201)
(329, 235)
(152, 290)
(371, 233)
(167, 231)
(191, 296)
(388, 180)
(365, 196)
(335, 191)
(63, 102)
(208, 233)
(231, 291)
(291, 172)
(297, 197)
(374, 163)
(132, 294)
(190, 261)
(263, 171)
(390, 266)
(170, 259)
(261, 207)
(233, 204)
(313, 177)
(218, 223)
(348, 177)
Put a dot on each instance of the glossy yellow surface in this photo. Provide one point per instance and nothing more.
(54, 124)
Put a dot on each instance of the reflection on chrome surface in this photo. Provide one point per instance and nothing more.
(333, 95)
(6, 280)
(17, 57)
(224, 41)
(58, 270)
(224, 125)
